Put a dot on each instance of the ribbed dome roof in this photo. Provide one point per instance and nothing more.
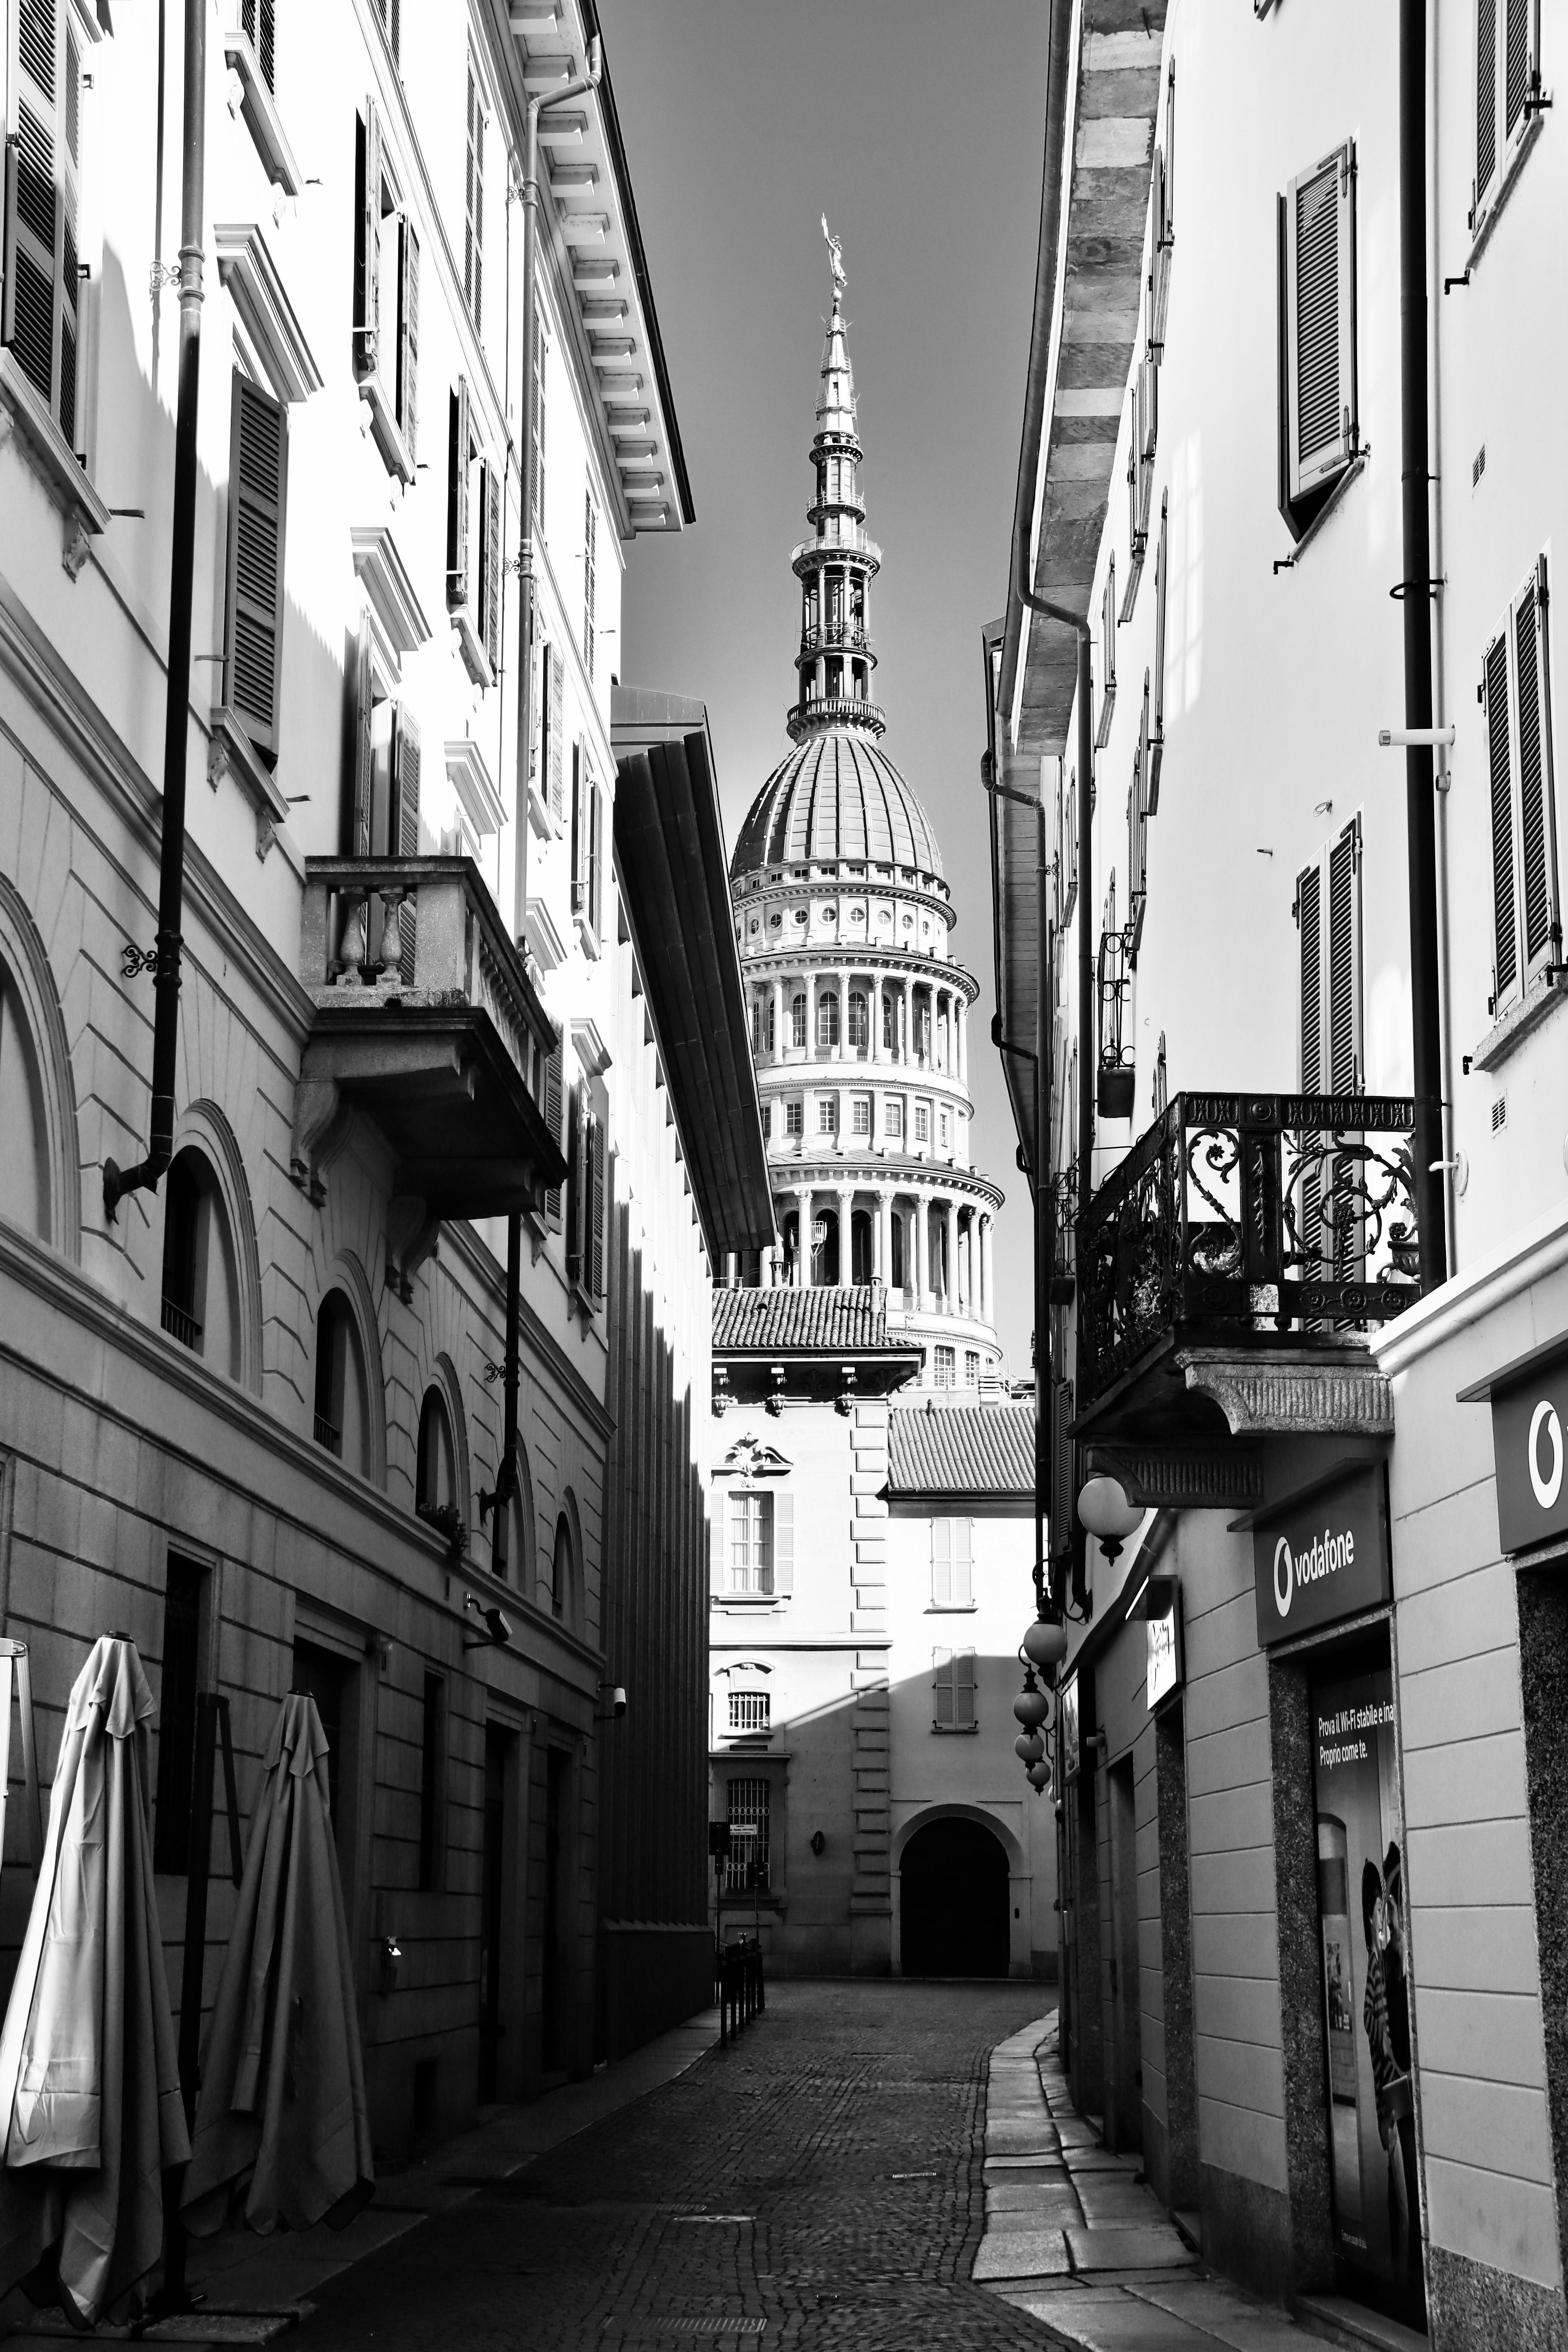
(836, 797)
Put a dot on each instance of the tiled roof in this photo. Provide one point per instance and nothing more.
(960, 1449)
(835, 796)
(819, 1321)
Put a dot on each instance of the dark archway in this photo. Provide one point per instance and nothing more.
(953, 1905)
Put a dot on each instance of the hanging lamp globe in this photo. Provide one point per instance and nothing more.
(1045, 1644)
(1028, 1747)
(1039, 1775)
(1031, 1707)
(1103, 1508)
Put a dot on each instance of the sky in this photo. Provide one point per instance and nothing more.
(918, 130)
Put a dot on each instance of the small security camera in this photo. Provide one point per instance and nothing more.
(618, 1701)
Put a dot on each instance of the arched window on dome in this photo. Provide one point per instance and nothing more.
(859, 1029)
(898, 1278)
(860, 1246)
(824, 1273)
(797, 1020)
(762, 1023)
(859, 672)
(889, 1018)
(834, 675)
(826, 1020)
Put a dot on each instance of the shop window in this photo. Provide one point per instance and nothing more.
(750, 1853)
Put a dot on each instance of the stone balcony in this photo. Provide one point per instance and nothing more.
(427, 1024)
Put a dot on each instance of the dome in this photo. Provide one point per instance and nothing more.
(837, 797)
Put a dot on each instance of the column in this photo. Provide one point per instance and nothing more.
(950, 1240)
(885, 1236)
(922, 1255)
(846, 1234)
(811, 979)
(909, 988)
(781, 1036)
(963, 1042)
(874, 1008)
(802, 1250)
(844, 980)
(987, 1302)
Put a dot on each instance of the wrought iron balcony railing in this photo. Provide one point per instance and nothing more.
(1263, 1215)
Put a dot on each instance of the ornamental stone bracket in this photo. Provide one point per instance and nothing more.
(1289, 1393)
(1180, 1477)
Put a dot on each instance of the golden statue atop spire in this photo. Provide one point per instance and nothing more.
(835, 259)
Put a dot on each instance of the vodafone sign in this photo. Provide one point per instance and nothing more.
(1321, 1557)
(1530, 1418)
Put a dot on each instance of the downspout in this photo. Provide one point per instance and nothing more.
(144, 1176)
(506, 1484)
(1425, 1006)
(1444, 779)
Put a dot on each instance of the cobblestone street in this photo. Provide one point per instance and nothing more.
(820, 2183)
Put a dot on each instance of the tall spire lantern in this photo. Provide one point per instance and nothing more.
(837, 566)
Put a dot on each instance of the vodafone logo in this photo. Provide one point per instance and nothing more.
(1324, 1556)
(1548, 1487)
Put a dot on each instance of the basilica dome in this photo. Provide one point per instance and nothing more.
(837, 798)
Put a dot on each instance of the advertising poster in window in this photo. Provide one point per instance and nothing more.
(1366, 1991)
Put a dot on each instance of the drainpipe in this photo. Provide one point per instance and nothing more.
(1426, 1007)
(144, 1176)
(506, 1485)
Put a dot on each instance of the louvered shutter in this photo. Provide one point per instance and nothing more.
(367, 243)
(259, 24)
(579, 830)
(590, 559)
(556, 764)
(554, 1098)
(258, 496)
(1505, 933)
(1343, 959)
(1061, 1464)
(963, 1690)
(1320, 321)
(718, 1538)
(1538, 860)
(1486, 101)
(1310, 925)
(406, 768)
(408, 337)
(596, 1206)
(540, 348)
(490, 594)
(784, 1543)
(474, 205)
(963, 1563)
(363, 778)
(1107, 657)
(38, 319)
(596, 858)
(941, 1689)
(1521, 40)
(576, 1187)
(1161, 583)
(457, 447)
(941, 1563)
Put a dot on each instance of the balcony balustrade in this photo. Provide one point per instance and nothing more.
(427, 1023)
(1249, 1220)
(835, 634)
(836, 711)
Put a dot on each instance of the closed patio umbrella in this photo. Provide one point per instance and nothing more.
(89, 2097)
(282, 2132)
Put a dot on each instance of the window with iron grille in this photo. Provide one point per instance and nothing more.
(751, 1710)
(1318, 433)
(1508, 93)
(748, 1809)
(952, 1690)
(1527, 919)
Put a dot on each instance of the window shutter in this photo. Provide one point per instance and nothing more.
(941, 1563)
(406, 771)
(590, 558)
(1343, 1027)
(580, 823)
(718, 1540)
(259, 22)
(363, 780)
(963, 1563)
(39, 321)
(1320, 321)
(1308, 919)
(553, 1106)
(941, 1689)
(1505, 937)
(474, 203)
(367, 242)
(782, 1501)
(556, 762)
(1107, 657)
(257, 494)
(596, 1208)
(408, 336)
(490, 587)
(963, 1690)
(1161, 579)
(1486, 101)
(1538, 849)
(458, 444)
(539, 352)
(596, 859)
(576, 1187)
(1521, 22)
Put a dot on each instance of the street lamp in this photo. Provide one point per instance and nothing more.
(1103, 1508)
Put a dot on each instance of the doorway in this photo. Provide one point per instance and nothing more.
(1125, 2085)
(492, 1877)
(954, 1900)
(555, 1960)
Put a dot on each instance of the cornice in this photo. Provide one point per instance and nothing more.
(883, 1176)
(903, 964)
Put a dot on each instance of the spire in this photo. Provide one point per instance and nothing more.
(837, 566)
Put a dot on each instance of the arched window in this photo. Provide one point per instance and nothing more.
(435, 1463)
(200, 1302)
(824, 1253)
(860, 1245)
(762, 1023)
(889, 1017)
(342, 1409)
(562, 1567)
(797, 1020)
(899, 1252)
(24, 1122)
(828, 1019)
(858, 1027)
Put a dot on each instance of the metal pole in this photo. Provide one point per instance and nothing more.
(1086, 1023)
(1045, 1237)
(1416, 594)
(144, 1175)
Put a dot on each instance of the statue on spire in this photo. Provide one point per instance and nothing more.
(835, 257)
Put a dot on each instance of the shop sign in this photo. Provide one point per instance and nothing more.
(1066, 1728)
(1162, 1631)
(1322, 1560)
(1532, 1455)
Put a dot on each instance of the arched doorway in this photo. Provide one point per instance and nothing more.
(953, 1902)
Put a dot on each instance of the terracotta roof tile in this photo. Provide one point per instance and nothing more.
(819, 1321)
(964, 1449)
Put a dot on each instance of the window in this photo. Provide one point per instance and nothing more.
(257, 22)
(184, 1593)
(971, 1367)
(390, 15)
(555, 1120)
(889, 1014)
(952, 1688)
(922, 1122)
(749, 1860)
(797, 1020)
(953, 1558)
(42, 290)
(943, 1130)
(1162, 239)
(1107, 657)
(434, 1461)
(551, 720)
(181, 1237)
(586, 1197)
(1318, 427)
(1328, 914)
(474, 202)
(794, 1117)
(341, 1422)
(860, 1115)
(1507, 91)
(541, 356)
(943, 1368)
(893, 1116)
(750, 1543)
(1527, 921)
(827, 1114)
(473, 542)
(386, 295)
(562, 1565)
(590, 562)
(751, 1710)
(1138, 834)
(859, 1026)
(258, 496)
(826, 1021)
(762, 1023)
(587, 842)
(1157, 723)
(1144, 403)
(432, 1781)
(767, 1122)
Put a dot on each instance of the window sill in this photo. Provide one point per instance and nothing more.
(230, 753)
(388, 435)
(1509, 1033)
(54, 462)
(1481, 236)
(545, 824)
(746, 1599)
(262, 119)
(476, 661)
(954, 1730)
(952, 1608)
(1329, 506)
(587, 937)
